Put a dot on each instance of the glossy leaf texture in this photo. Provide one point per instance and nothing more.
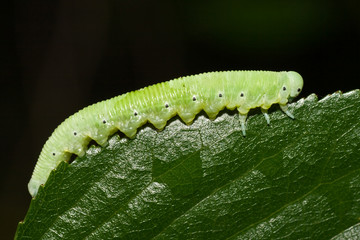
(294, 179)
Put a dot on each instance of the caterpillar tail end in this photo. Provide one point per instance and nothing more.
(33, 187)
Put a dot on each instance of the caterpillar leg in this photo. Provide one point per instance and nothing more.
(243, 123)
(266, 115)
(284, 108)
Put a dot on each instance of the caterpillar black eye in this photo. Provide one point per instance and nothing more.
(75, 133)
(220, 95)
(241, 94)
(166, 105)
(104, 121)
(194, 98)
(135, 113)
(284, 88)
(299, 89)
(53, 154)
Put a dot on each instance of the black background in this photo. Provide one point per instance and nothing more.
(60, 56)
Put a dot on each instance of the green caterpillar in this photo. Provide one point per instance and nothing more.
(185, 96)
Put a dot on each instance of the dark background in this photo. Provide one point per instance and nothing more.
(60, 56)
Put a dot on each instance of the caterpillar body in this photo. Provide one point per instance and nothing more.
(185, 96)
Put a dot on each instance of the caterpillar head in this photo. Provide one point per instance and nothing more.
(296, 83)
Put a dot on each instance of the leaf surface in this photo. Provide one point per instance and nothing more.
(294, 179)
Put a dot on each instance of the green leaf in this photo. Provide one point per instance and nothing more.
(294, 179)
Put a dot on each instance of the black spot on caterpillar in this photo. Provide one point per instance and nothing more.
(185, 96)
